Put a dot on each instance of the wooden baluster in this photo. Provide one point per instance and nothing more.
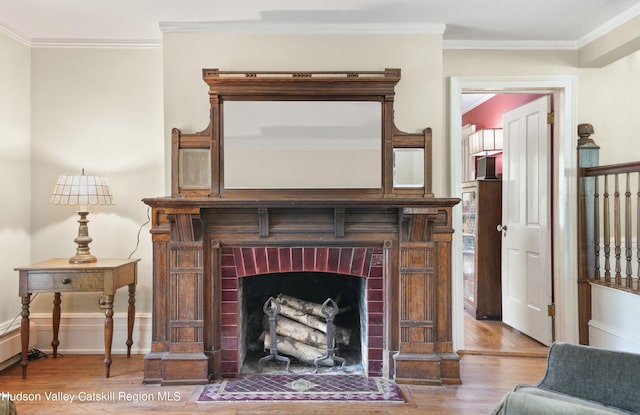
(607, 234)
(617, 234)
(638, 234)
(596, 229)
(627, 232)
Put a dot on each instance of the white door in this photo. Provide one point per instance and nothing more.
(526, 220)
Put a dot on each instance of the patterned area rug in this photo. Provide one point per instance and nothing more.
(302, 388)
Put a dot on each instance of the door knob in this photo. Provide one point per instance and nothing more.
(501, 228)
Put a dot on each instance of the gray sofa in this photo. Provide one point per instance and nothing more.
(579, 380)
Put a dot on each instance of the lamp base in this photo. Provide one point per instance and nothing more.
(486, 168)
(83, 254)
(82, 259)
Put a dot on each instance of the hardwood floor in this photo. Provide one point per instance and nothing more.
(485, 380)
(486, 337)
(495, 359)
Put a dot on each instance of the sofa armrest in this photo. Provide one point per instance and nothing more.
(524, 403)
(605, 376)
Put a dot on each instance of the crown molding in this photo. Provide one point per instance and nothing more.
(14, 34)
(302, 28)
(609, 26)
(510, 44)
(601, 31)
(79, 43)
(97, 43)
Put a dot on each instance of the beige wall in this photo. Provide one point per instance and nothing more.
(508, 63)
(15, 242)
(418, 94)
(608, 100)
(101, 110)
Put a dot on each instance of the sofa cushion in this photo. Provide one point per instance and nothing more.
(523, 402)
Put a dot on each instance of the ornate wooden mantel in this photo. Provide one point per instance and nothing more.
(189, 236)
(195, 333)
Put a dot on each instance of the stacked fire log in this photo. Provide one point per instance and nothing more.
(301, 330)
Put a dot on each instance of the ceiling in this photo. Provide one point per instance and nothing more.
(557, 23)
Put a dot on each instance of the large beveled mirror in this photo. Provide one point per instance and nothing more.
(301, 135)
(302, 144)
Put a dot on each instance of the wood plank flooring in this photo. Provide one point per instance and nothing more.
(486, 337)
(485, 380)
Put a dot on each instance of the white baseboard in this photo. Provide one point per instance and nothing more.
(613, 323)
(609, 337)
(83, 333)
(11, 345)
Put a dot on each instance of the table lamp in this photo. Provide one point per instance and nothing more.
(82, 191)
(486, 143)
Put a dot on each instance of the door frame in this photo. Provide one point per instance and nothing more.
(564, 184)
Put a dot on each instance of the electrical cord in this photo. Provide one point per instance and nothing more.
(139, 231)
(6, 330)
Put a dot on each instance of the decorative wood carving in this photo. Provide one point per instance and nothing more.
(206, 239)
(308, 86)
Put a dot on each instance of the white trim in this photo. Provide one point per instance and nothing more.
(97, 43)
(11, 345)
(564, 89)
(303, 28)
(79, 43)
(14, 34)
(610, 326)
(606, 336)
(510, 44)
(83, 333)
(9, 326)
(609, 26)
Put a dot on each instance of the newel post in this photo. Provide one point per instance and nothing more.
(588, 156)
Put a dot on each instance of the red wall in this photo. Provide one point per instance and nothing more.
(489, 114)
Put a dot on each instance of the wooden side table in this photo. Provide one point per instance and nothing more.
(57, 275)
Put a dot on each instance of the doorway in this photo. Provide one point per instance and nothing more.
(506, 149)
(564, 170)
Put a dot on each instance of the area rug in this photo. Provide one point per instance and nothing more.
(302, 388)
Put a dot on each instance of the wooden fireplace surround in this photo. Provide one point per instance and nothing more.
(195, 303)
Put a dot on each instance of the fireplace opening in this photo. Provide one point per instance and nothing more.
(348, 292)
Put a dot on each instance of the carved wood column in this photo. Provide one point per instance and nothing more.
(177, 355)
(426, 350)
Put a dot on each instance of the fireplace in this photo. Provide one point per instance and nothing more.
(300, 343)
(383, 246)
(395, 258)
(351, 276)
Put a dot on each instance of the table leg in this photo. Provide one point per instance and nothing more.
(24, 334)
(131, 314)
(56, 323)
(108, 332)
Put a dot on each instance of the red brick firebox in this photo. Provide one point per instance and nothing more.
(356, 261)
